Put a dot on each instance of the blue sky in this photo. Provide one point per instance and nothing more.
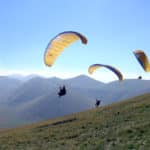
(114, 29)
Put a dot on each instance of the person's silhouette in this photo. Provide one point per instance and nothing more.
(62, 91)
(97, 103)
(140, 77)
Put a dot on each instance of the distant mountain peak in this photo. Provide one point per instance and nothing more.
(82, 77)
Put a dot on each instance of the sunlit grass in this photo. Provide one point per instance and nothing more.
(123, 126)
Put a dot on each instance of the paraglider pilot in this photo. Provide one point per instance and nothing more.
(98, 102)
(140, 77)
(62, 91)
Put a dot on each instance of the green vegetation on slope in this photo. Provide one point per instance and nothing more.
(122, 126)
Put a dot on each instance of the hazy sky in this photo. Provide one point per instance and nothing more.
(114, 29)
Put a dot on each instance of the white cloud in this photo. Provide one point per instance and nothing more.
(102, 76)
(45, 73)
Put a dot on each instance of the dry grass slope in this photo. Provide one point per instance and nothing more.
(120, 126)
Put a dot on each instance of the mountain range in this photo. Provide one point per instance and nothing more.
(34, 98)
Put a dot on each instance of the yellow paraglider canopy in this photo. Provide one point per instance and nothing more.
(142, 59)
(93, 67)
(58, 43)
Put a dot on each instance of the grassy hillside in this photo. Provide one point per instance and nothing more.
(122, 126)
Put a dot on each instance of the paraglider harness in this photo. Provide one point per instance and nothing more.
(98, 102)
(62, 91)
(140, 77)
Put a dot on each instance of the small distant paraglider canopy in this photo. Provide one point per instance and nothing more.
(59, 43)
(62, 91)
(142, 59)
(93, 67)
